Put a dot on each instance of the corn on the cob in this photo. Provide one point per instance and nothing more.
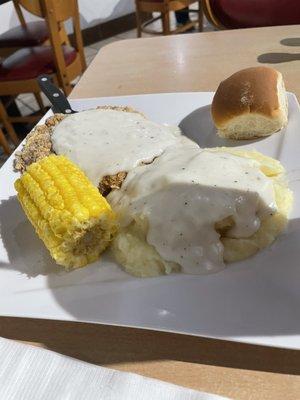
(68, 213)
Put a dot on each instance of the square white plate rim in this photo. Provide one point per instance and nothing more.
(130, 298)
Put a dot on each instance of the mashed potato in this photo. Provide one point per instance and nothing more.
(139, 258)
(270, 228)
(136, 255)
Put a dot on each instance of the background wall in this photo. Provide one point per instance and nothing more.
(92, 12)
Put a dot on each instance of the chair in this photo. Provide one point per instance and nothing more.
(64, 63)
(27, 33)
(164, 7)
(233, 14)
(4, 142)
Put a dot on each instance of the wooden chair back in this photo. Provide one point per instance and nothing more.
(56, 12)
(35, 7)
(19, 13)
(63, 9)
(32, 6)
(7, 51)
(4, 143)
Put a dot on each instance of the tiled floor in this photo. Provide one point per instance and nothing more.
(27, 103)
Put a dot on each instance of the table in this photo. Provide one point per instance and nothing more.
(194, 62)
(240, 371)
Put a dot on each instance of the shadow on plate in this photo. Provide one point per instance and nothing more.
(257, 297)
(21, 242)
(27, 254)
(199, 127)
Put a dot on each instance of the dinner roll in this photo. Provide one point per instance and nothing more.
(250, 103)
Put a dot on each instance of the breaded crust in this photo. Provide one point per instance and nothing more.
(38, 144)
(110, 182)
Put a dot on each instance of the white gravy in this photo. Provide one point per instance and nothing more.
(184, 192)
(105, 142)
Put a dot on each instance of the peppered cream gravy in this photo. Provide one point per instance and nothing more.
(105, 142)
(184, 193)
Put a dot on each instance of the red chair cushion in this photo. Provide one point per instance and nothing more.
(34, 34)
(30, 62)
(255, 13)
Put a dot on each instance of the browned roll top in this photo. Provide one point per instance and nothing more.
(251, 90)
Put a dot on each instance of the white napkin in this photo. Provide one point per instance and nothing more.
(30, 373)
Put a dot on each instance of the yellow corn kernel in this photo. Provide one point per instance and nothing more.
(68, 213)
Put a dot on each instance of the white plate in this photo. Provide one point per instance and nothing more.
(255, 301)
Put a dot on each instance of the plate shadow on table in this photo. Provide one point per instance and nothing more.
(199, 127)
(109, 345)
